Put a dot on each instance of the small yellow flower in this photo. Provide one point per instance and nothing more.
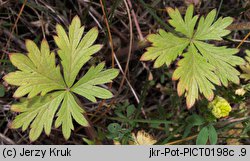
(219, 107)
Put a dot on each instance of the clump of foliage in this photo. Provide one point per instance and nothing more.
(202, 65)
(49, 92)
(122, 132)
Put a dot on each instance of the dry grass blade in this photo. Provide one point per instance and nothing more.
(130, 44)
(14, 26)
(243, 40)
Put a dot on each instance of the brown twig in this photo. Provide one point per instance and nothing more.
(141, 38)
(127, 64)
(113, 58)
(6, 139)
(117, 61)
(239, 26)
(15, 39)
(181, 140)
(130, 45)
(123, 52)
(94, 12)
(112, 51)
(14, 26)
(243, 40)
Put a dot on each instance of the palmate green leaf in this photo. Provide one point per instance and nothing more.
(49, 94)
(69, 109)
(209, 30)
(37, 71)
(86, 86)
(195, 74)
(165, 48)
(75, 50)
(186, 25)
(39, 112)
(223, 59)
(203, 65)
(246, 68)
